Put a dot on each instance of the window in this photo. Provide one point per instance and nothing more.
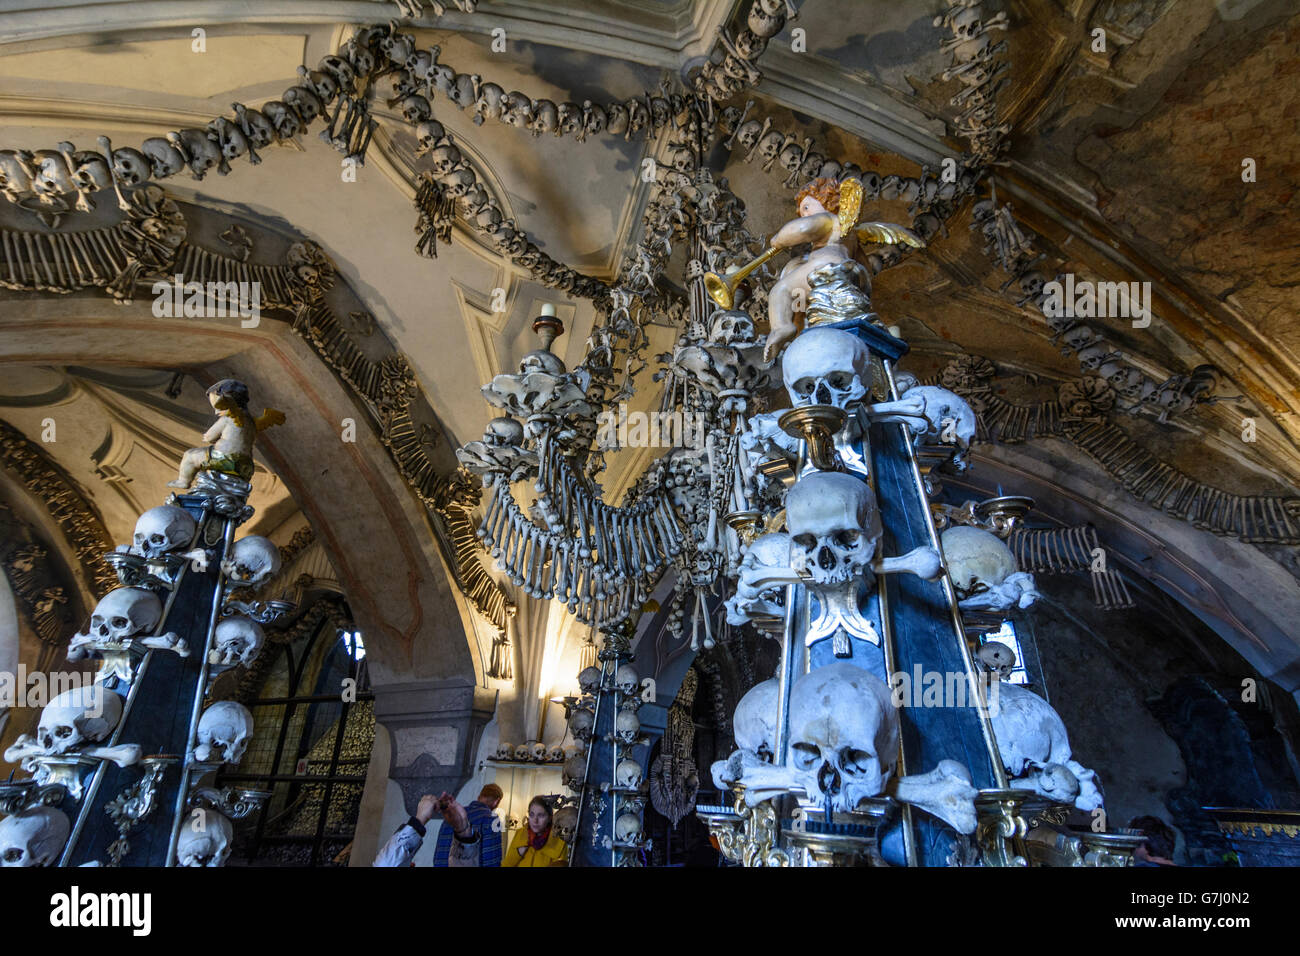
(1007, 635)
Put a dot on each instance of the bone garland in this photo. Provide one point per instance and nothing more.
(736, 72)
(1061, 550)
(973, 54)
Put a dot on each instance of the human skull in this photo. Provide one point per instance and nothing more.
(997, 658)
(627, 828)
(747, 135)
(730, 326)
(52, 178)
(538, 752)
(754, 722)
(199, 150)
(458, 182)
(843, 734)
(617, 114)
(769, 147)
(464, 90)
(574, 772)
(34, 837)
(304, 103)
(416, 109)
(517, 110)
(238, 641)
(398, 47)
(593, 118)
(163, 529)
(253, 560)
(130, 166)
(164, 158)
(504, 751)
(283, 120)
(546, 117)
(570, 119)
(90, 172)
(976, 559)
(626, 679)
(78, 716)
(834, 524)
(324, 85)
(555, 754)
(764, 22)
(428, 135)
(257, 128)
(445, 158)
(766, 554)
(523, 752)
(124, 613)
(204, 839)
(824, 366)
(581, 722)
(504, 432)
(224, 731)
(339, 68)
(589, 679)
(565, 822)
(627, 726)
(488, 103)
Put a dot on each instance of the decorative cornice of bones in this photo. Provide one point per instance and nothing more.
(151, 242)
(1079, 415)
(42, 597)
(76, 517)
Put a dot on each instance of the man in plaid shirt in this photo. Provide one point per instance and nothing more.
(470, 835)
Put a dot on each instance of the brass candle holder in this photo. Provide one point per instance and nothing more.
(817, 425)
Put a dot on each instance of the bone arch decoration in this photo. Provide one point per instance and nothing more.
(388, 386)
(79, 522)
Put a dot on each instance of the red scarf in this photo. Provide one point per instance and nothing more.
(538, 840)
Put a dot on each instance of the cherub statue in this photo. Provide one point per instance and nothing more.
(232, 436)
(828, 218)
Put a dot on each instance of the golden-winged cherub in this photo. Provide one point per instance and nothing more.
(828, 219)
(232, 435)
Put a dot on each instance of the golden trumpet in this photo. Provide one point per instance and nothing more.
(723, 291)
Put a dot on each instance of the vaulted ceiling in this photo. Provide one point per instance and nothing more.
(1126, 165)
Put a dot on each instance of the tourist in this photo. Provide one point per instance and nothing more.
(536, 844)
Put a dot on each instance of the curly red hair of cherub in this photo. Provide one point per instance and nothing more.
(825, 190)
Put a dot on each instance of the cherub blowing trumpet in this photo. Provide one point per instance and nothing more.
(828, 219)
(232, 435)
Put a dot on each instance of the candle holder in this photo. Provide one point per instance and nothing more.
(817, 425)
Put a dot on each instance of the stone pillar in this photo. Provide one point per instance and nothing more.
(434, 727)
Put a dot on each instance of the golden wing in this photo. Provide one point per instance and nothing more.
(850, 204)
(889, 234)
(268, 419)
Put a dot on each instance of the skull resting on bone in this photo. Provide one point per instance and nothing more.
(834, 526)
(224, 731)
(81, 715)
(977, 559)
(626, 679)
(163, 529)
(34, 837)
(205, 839)
(124, 613)
(628, 774)
(824, 366)
(238, 641)
(627, 726)
(253, 560)
(843, 734)
(627, 828)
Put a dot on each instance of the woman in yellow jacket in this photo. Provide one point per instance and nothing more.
(537, 844)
